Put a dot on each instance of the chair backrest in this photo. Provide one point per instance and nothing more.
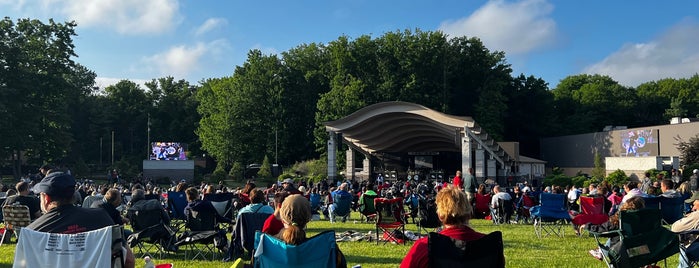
(98, 248)
(16, 215)
(672, 209)
(222, 202)
(246, 225)
(176, 202)
(318, 251)
(553, 201)
(428, 213)
(314, 198)
(201, 221)
(343, 203)
(444, 251)
(633, 222)
(505, 206)
(592, 205)
(142, 219)
(645, 240)
(651, 201)
(389, 210)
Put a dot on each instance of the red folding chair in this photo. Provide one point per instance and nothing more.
(591, 211)
(390, 220)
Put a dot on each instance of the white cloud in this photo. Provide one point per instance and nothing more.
(124, 16)
(674, 54)
(265, 50)
(181, 61)
(516, 28)
(209, 25)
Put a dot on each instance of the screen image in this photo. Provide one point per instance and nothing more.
(642, 142)
(423, 161)
(168, 151)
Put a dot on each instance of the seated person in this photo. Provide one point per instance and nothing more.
(454, 211)
(273, 225)
(631, 190)
(688, 223)
(497, 195)
(341, 193)
(295, 213)
(110, 201)
(257, 197)
(633, 203)
(668, 189)
(204, 207)
(141, 205)
(56, 194)
(23, 198)
(482, 202)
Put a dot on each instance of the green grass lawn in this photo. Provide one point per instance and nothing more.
(522, 248)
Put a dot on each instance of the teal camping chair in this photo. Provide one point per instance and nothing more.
(316, 252)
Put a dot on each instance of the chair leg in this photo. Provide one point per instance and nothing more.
(3, 236)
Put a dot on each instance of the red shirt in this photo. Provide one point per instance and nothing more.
(272, 225)
(418, 256)
(458, 182)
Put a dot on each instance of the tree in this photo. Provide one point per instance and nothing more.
(689, 151)
(38, 82)
(265, 171)
(599, 171)
(236, 172)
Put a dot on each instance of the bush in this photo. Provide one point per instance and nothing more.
(617, 178)
(558, 179)
(219, 173)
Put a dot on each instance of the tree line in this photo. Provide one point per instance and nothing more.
(274, 105)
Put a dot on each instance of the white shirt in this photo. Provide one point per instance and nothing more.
(500, 195)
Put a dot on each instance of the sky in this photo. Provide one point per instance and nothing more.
(631, 41)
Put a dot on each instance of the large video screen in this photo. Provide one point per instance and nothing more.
(168, 151)
(642, 142)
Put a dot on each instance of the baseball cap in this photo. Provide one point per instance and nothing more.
(695, 196)
(56, 184)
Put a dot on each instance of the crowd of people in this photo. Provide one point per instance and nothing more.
(58, 203)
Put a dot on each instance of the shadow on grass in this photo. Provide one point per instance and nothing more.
(352, 260)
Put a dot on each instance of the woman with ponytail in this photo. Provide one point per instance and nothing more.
(295, 213)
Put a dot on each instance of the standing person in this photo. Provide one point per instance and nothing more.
(646, 183)
(454, 211)
(458, 181)
(676, 178)
(56, 195)
(688, 223)
(470, 185)
(694, 180)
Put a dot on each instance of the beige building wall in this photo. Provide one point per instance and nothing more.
(575, 153)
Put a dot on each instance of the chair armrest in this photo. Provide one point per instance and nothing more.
(688, 232)
(607, 234)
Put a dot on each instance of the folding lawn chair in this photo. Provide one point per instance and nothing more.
(390, 220)
(503, 213)
(444, 251)
(223, 203)
(150, 234)
(672, 209)
(202, 236)
(98, 248)
(688, 253)
(550, 215)
(591, 211)
(319, 251)
(176, 202)
(427, 211)
(642, 240)
(15, 217)
(243, 237)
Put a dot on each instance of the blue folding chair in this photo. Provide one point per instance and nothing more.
(319, 251)
(651, 201)
(176, 202)
(551, 215)
(342, 207)
(672, 209)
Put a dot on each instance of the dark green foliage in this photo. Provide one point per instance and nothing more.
(617, 178)
(265, 171)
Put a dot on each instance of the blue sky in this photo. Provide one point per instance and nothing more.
(631, 41)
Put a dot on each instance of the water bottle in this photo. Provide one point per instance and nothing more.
(149, 263)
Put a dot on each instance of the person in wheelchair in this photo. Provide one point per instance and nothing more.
(633, 203)
(454, 211)
(690, 250)
(295, 213)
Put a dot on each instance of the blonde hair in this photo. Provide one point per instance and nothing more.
(295, 212)
(453, 207)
